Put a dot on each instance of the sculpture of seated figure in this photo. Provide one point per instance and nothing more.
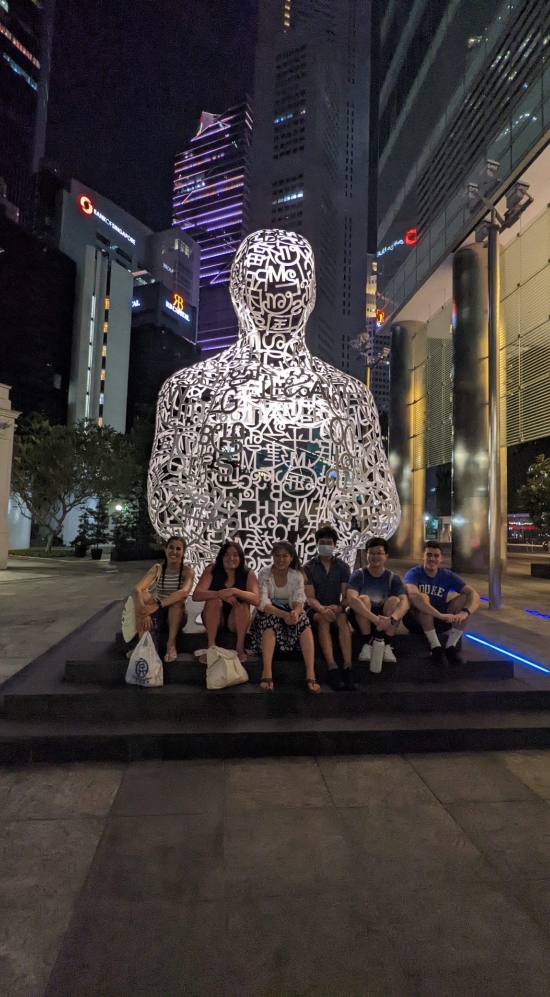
(266, 441)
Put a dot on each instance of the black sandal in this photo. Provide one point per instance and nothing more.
(311, 683)
(266, 685)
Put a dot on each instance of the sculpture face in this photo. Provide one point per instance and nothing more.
(266, 442)
(273, 282)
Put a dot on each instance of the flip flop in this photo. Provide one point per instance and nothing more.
(311, 683)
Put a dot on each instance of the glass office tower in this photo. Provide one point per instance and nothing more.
(25, 50)
(310, 154)
(211, 204)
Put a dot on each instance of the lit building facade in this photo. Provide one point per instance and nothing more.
(448, 140)
(310, 153)
(211, 204)
(115, 256)
(25, 52)
(37, 284)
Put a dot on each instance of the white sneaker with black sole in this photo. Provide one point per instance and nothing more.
(365, 652)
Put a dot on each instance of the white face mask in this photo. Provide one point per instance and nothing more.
(325, 550)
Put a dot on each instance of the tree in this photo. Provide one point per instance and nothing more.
(133, 522)
(535, 493)
(57, 468)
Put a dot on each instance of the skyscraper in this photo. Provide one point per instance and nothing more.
(310, 154)
(211, 204)
(450, 144)
(25, 47)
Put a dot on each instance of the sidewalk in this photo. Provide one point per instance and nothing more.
(44, 600)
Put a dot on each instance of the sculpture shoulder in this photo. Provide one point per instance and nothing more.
(350, 389)
(202, 375)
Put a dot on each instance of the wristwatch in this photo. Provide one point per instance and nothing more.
(465, 611)
(393, 622)
(159, 602)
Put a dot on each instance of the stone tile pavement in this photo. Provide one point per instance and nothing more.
(376, 876)
(41, 601)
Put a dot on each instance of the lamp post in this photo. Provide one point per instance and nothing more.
(517, 200)
(364, 344)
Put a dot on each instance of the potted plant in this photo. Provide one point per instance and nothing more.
(535, 498)
(81, 542)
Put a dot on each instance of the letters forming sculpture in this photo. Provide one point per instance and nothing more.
(265, 440)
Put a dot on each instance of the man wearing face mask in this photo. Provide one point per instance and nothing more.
(326, 585)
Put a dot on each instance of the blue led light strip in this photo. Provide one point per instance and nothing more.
(509, 654)
(531, 612)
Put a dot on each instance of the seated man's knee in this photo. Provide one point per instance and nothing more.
(457, 603)
(365, 600)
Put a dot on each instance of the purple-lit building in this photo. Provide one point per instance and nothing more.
(211, 204)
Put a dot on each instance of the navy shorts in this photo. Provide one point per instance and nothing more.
(414, 626)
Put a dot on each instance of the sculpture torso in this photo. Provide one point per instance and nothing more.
(265, 441)
(266, 451)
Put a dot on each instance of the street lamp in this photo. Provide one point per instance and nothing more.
(364, 344)
(517, 200)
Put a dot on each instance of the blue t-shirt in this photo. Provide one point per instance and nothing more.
(378, 589)
(438, 587)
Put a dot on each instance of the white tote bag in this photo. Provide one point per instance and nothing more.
(128, 622)
(223, 668)
(145, 667)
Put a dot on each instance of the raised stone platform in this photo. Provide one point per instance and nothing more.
(72, 703)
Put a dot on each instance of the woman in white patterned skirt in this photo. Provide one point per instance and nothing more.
(280, 618)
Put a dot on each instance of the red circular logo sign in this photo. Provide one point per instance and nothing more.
(85, 204)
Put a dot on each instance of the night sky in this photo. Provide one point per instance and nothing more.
(129, 81)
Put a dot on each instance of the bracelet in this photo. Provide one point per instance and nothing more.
(465, 611)
(159, 603)
(393, 622)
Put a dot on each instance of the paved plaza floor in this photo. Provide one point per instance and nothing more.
(419, 876)
(365, 876)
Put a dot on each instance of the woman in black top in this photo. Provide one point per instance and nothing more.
(228, 589)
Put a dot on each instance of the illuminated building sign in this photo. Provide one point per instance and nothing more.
(177, 311)
(87, 207)
(136, 303)
(409, 239)
(380, 316)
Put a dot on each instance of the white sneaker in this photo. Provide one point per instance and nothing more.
(377, 655)
(388, 654)
(365, 652)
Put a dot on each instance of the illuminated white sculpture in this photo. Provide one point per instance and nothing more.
(266, 441)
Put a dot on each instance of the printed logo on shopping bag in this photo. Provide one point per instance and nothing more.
(145, 667)
(141, 668)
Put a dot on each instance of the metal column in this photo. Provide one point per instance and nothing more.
(406, 428)
(470, 541)
(495, 552)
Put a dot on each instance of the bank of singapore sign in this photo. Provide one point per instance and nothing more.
(87, 207)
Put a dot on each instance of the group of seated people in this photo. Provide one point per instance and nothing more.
(287, 598)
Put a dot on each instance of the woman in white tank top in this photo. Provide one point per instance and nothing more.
(160, 596)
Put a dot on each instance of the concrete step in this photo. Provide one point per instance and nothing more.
(188, 670)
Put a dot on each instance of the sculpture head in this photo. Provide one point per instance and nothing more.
(273, 282)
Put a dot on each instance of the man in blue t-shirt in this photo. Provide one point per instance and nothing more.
(378, 601)
(439, 598)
